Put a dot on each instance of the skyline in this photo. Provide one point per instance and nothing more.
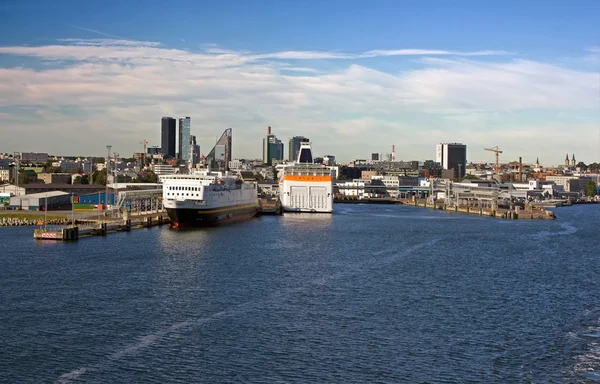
(523, 77)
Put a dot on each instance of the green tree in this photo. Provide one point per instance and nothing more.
(146, 177)
(590, 189)
(123, 179)
(77, 180)
(582, 165)
(99, 177)
(23, 178)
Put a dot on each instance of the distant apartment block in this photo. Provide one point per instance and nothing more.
(55, 178)
(34, 157)
(4, 174)
(71, 166)
(452, 156)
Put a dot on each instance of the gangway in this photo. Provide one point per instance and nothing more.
(139, 202)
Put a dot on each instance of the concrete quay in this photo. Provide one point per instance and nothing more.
(269, 206)
(515, 213)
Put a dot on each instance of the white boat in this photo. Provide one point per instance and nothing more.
(208, 198)
(305, 186)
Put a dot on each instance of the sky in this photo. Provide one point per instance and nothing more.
(353, 76)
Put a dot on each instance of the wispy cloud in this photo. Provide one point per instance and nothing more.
(121, 88)
(96, 32)
(109, 42)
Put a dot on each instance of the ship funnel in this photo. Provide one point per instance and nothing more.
(305, 153)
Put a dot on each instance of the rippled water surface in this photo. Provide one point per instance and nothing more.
(369, 294)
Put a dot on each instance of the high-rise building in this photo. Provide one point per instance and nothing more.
(272, 148)
(194, 151)
(452, 156)
(220, 156)
(294, 147)
(167, 138)
(184, 139)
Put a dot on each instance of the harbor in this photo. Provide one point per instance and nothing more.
(63, 229)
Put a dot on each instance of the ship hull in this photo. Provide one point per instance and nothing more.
(189, 218)
(310, 210)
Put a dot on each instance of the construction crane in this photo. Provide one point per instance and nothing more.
(144, 143)
(498, 152)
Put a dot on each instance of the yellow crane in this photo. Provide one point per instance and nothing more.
(498, 152)
(144, 143)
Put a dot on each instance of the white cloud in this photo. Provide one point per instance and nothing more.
(121, 88)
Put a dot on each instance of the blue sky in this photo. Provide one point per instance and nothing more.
(484, 73)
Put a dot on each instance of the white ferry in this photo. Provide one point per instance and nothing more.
(208, 198)
(306, 187)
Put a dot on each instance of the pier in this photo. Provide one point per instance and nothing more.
(88, 228)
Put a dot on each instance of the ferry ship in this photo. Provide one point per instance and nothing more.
(306, 187)
(206, 198)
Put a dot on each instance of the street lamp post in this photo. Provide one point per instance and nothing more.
(107, 168)
(72, 211)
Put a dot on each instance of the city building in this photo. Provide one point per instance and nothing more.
(452, 156)
(272, 148)
(12, 189)
(33, 157)
(194, 151)
(4, 174)
(55, 178)
(71, 188)
(294, 146)
(167, 137)
(329, 160)
(184, 139)
(154, 150)
(219, 157)
(39, 201)
(163, 169)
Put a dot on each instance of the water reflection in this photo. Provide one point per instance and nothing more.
(302, 219)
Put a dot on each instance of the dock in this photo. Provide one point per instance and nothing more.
(269, 206)
(88, 228)
(514, 213)
(531, 212)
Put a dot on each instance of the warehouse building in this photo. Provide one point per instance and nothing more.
(38, 201)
